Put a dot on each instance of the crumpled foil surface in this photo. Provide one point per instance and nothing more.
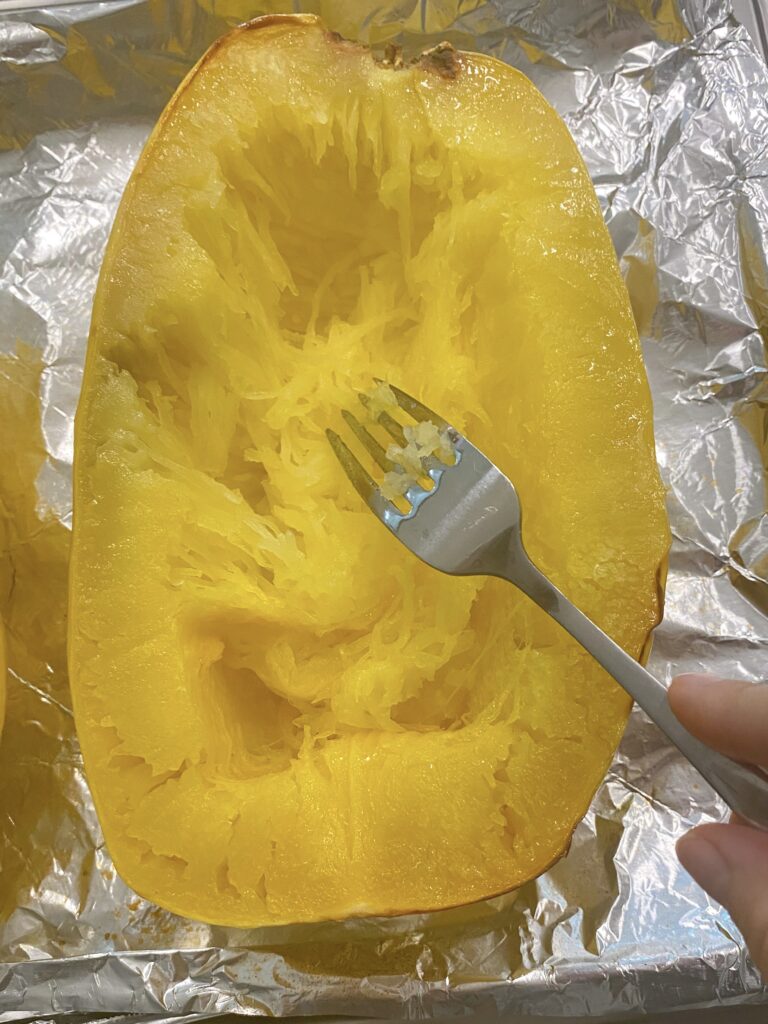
(668, 102)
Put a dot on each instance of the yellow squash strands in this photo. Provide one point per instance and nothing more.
(284, 715)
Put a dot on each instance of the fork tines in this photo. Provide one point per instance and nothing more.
(358, 475)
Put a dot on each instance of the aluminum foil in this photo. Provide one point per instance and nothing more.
(668, 102)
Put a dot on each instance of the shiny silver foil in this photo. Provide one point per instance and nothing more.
(668, 102)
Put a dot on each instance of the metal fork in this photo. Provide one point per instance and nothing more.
(469, 523)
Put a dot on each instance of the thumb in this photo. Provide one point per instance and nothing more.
(731, 863)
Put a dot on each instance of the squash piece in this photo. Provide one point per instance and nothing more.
(3, 674)
(34, 556)
(284, 715)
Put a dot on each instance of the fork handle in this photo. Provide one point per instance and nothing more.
(743, 787)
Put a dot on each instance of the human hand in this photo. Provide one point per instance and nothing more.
(729, 861)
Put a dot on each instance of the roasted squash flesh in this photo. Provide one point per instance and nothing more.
(285, 716)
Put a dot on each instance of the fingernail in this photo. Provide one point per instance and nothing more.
(706, 865)
(699, 680)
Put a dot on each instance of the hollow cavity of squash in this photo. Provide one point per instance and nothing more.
(284, 715)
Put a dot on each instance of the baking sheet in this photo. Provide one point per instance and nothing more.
(668, 102)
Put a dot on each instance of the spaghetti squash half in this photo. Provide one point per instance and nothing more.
(284, 715)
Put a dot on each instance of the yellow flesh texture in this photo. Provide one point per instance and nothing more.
(3, 674)
(285, 716)
(34, 552)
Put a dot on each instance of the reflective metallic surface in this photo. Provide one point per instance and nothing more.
(668, 101)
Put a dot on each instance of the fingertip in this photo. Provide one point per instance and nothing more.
(688, 682)
(708, 832)
(704, 861)
(730, 715)
(731, 863)
(687, 689)
(715, 855)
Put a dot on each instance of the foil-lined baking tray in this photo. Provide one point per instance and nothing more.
(668, 102)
